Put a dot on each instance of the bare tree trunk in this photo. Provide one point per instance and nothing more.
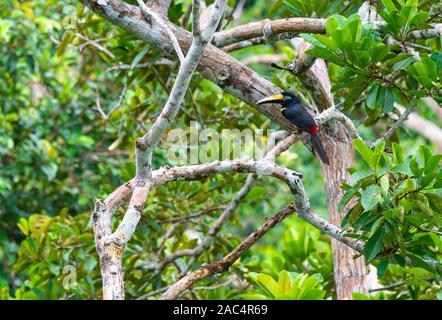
(349, 272)
(112, 272)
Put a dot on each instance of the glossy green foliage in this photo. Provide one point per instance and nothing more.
(398, 205)
(359, 50)
(76, 92)
(428, 72)
(403, 17)
(316, 8)
(58, 258)
(288, 286)
(367, 62)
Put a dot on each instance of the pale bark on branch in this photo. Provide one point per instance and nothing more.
(152, 15)
(271, 154)
(349, 273)
(240, 81)
(215, 64)
(223, 265)
(290, 27)
(110, 246)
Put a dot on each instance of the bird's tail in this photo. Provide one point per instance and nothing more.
(318, 148)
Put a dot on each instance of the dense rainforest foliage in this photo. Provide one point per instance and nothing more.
(76, 91)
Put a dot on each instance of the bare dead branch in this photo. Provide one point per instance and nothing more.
(94, 43)
(151, 15)
(271, 154)
(290, 27)
(233, 77)
(214, 64)
(389, 133)
(196, 26)
(268, 28)
(334, 114)
(243, 44)
(223, 265)
(191, 216)
(160, 6)
(112, 245)
(214, 229)
(349, 273)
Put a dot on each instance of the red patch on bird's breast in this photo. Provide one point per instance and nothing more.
(314, 129)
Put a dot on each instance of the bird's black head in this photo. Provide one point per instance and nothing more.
(284, 99)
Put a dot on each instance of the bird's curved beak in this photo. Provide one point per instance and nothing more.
(278, 98)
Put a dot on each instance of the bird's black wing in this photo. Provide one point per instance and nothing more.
(299, 116)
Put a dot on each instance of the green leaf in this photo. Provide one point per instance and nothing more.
(398, 153)
(331, 25)
(437, 240)
(326, 41)
(376, 155)
(385, 184)
(353, 214)
(437, 58)
(431, 67)
(268, 283)
(379, 52)
(360, 175)
(346, 198)
(355, 26)
(372, 96)
(435, 202)
(414, 166)
(313, 294)
(432, 163)
(90, 264)
(421, 263)
(359, 296)
(326, 55)
(401, 168)
(424, 154)
(374, 244)
(406, 15)
(389, 5)
(370, 197)
(427, 179)
(362, 57)
(285, 282)
(357, 87)
(412, 3)
(68, 36)
(140, 55)
(403, 63)
(155, 226)
(254, 296)
(424, 72)
(23, 226)
(313, 40)
(363, 150)
(386, 100)
(54, 269)
(382, 268)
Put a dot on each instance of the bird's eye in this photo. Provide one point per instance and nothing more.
(288, 97)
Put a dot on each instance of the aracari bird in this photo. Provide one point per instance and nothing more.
(296, 113)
